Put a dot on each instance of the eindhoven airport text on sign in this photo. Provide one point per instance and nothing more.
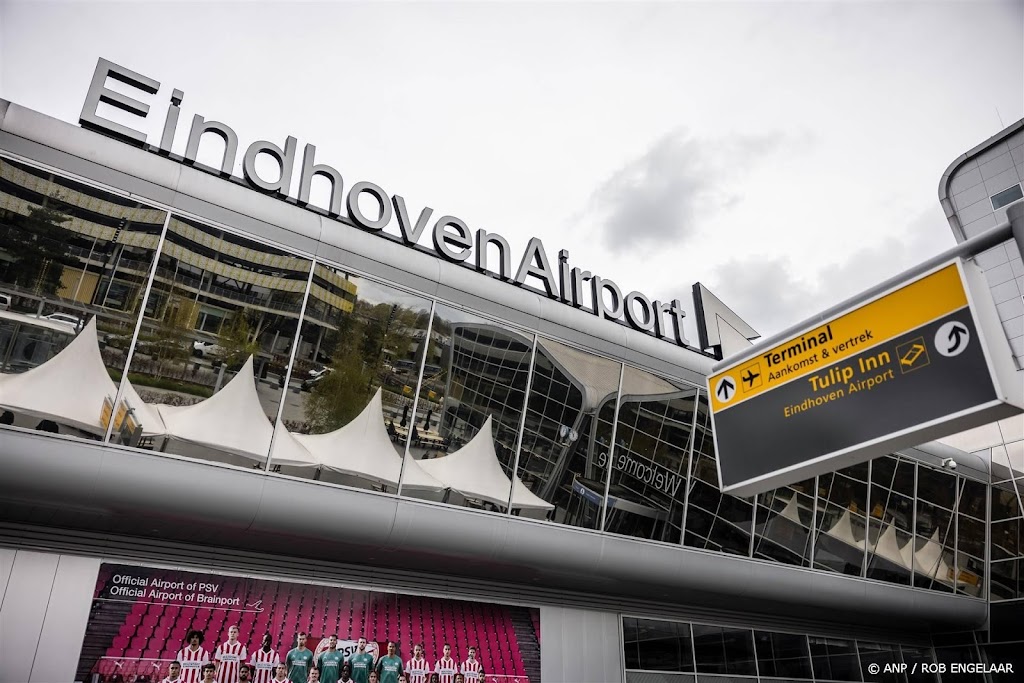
(923, 360)
(452, 238)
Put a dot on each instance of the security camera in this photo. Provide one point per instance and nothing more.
(949, 464)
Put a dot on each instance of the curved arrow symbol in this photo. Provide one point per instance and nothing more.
(958, 333)
(952, 338)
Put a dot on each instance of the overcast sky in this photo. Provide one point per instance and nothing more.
(786, 155)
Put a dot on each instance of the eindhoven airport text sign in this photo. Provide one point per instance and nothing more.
(915, 363)
(452, 238)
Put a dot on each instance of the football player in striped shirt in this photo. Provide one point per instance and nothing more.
(281, 675)
(173, 673)
(446, 667)
(228, 656)
(264, 661)
(330, 660)
(193, 657)
(417, 667)
(470, 668)
(361, 662)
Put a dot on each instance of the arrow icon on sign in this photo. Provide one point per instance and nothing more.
(725, 389)
(957, 333)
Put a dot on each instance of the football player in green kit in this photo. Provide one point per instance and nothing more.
(299, 661)
(361, 663)
(330, 661)
(390, 665)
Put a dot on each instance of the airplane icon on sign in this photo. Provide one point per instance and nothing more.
(750, 377)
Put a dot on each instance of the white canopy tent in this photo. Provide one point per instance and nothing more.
(843, 530)
(363, 449)
(233, 421)
(70, 387)
(474, 471)
(930, 561)
(888, 547)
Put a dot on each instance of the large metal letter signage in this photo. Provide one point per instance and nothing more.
(916, 363)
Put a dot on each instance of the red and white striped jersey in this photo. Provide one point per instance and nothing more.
(446, 668)
(418, 670)
(265, 664)
(472, 671)
(168, 680)
(192, 664)
(228, 656)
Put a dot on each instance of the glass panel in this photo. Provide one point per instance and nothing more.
(351, 388)
(882, 656)
(919, 656)
(661, 646)
(631, 642)
(783, 523)
(472, 399)
(566, 442)
(890, 550)
(782, 655)
(834, 659)
(972, 506)
(724, 650)
(714, 521)
(959, 655)
(652, 437)
(658, 677)
(841, 524)
(1007, 581)
(1007, 196)
(74, 262)
(213, 347)
(933, 540)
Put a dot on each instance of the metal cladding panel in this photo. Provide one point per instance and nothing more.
(584, 652)
(6, 566)
(23, 611)
(67, 614)
(500, 299)
(247, 209)
(244, 510)
(160, 175)
(133, 483)
(355, 248)
(293, 508)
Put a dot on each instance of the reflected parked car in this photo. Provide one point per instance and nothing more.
(5, 302)
(201, 349)
(313, 381)
(65, 319)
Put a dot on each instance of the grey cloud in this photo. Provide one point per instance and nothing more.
(771, 297)
(663, 194)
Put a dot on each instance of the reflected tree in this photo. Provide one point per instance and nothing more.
(38, 247)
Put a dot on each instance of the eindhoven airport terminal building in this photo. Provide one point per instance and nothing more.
(224, 407)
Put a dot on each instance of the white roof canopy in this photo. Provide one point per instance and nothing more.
(362, 448)
(474, 471)
(70, 388)
(232, 420)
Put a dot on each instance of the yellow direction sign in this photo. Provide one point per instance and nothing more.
(890, 316)
(907, 366)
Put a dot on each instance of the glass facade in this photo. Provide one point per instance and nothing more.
(658, 650)
(195, 340)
